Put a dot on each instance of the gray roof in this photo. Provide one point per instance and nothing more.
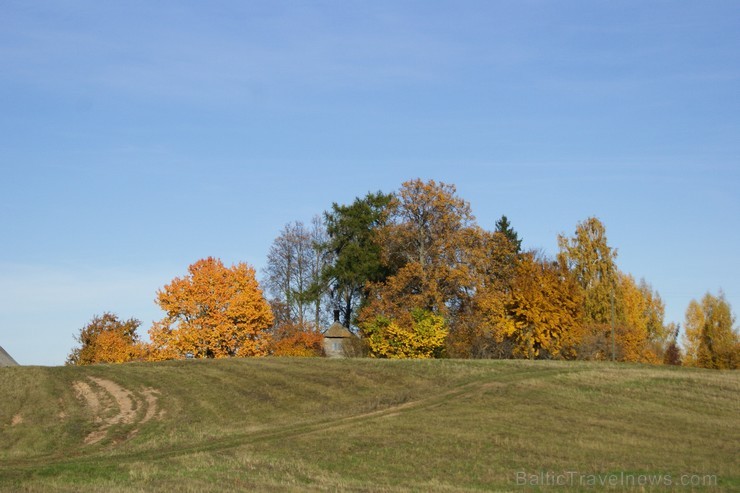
(5, 359)
(338, 330)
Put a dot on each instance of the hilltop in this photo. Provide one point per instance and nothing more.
(284, 424)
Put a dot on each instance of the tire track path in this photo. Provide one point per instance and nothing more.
(284, 432)
(112, 404)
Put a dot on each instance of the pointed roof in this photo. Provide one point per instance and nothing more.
(6, 359)
(338, 330)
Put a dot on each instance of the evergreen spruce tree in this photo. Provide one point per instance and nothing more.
(504, 226)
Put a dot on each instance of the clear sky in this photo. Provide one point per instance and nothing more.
(137, 137)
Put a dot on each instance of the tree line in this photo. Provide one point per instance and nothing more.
(414, 275)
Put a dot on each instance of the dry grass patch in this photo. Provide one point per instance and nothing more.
(363, 425)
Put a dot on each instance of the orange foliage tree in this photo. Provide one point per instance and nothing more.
(479, 309)
(536, 316)
(642, 335)
(425, 250)
(106, 339)
(213, 312)
(294, 340)
(543, 310)
(424, 246)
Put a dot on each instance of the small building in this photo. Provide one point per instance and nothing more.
(337, 339)
(5, 359)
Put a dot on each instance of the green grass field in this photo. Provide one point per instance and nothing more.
(282, 424)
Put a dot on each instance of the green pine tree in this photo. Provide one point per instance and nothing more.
(504, 226)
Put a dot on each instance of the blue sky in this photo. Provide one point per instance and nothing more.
(138, 137)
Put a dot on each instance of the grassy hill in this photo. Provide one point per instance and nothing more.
(367, 425)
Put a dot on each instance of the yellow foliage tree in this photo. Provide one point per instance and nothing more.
(106, 339)
(213, 312)
(479, 304)
(542, 310)
(590, 258)
(641, 335)
(710, 338)
(419, 335)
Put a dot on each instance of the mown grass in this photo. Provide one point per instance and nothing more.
(282, 424)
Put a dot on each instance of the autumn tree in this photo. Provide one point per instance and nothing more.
(440, 261)
(480, 306)
(541, 314)
(641, 335)
(672, 354)
(425, 249)
(710, 338)
(289, 338)
(492, 258)
(589, 256)
(106, 339)
(418, 334)
(213, 312)
(298, 341)
(356, 251)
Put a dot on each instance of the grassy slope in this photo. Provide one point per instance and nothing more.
(316, 424)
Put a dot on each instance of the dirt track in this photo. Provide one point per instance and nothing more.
(111, 404)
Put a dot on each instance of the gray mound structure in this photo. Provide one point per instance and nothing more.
(6, 359)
